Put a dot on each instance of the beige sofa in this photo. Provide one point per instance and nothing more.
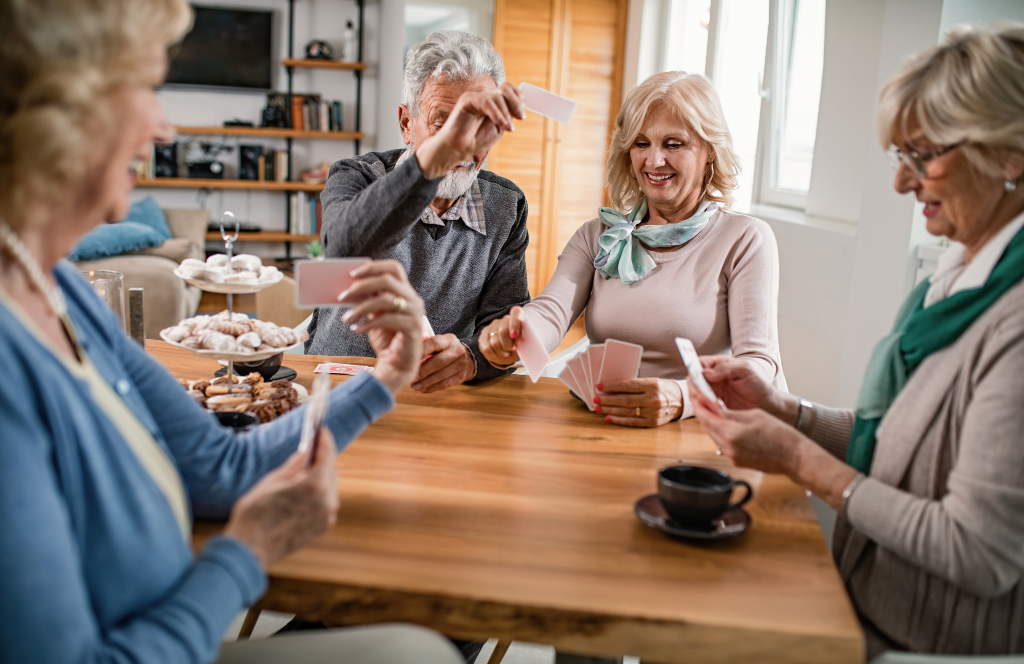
(168, 299)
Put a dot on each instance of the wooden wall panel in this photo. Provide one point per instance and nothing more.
(592, 80)
(522, 31)
(575, 48)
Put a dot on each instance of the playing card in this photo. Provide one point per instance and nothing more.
(694, 368)
(595, 352)
(316, 411)
(319, 283)
(587, 376)
(621, 361)
(531, 351)
(575, 365)
(337, 368)
(570, 382)
(547, 103)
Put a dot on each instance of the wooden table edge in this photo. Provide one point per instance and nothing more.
(654, 641)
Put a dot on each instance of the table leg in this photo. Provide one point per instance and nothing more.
(249, 624)
(500, 648)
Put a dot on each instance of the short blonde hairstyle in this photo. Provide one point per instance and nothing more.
(59, 60)
(969, 89)
(694, 101)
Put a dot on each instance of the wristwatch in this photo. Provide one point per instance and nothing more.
(806, 417)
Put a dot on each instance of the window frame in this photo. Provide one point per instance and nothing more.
(772, 115)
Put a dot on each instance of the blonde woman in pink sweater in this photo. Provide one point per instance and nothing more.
(677, 264)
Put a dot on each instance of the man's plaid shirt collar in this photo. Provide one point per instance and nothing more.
(469, 207)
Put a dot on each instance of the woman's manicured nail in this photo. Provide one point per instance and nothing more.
(353, 327)
(512, 333)
(343, 295)
(598, 409)
(608, 419)
(597, 399)
(600, 386)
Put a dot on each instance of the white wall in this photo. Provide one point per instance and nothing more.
(315, 19)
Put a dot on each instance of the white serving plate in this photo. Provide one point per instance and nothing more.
(234, 357)
(232, 289)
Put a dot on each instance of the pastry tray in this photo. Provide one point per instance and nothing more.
(233, 357)
(232, 289)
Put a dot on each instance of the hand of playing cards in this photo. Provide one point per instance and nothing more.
(599, 364)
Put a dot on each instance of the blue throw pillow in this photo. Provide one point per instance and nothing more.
(113, 240)
(149, 213)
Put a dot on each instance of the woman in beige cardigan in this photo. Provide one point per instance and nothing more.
(678, 264)
(928, 472)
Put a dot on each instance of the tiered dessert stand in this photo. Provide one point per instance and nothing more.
(256, 359)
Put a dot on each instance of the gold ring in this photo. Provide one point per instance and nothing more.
(399, 305)
(637, 411)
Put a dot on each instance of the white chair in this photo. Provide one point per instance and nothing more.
(376, 644)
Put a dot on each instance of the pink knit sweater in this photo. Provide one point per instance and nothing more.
(720, 290)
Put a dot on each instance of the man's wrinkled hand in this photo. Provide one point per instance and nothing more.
(451, 364)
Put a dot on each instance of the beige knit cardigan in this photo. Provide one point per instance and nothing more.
(932, 545)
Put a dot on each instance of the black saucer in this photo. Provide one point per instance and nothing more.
(282, 373)
(651, 512)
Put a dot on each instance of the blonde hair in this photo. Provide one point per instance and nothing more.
(969, 89)
(694, 101)
(59, 60)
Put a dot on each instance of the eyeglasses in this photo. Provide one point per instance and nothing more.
(916, 161)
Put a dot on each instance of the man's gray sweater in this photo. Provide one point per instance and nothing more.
(373, 208)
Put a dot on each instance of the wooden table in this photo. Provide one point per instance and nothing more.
(506, 510)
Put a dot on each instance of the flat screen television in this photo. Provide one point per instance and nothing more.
(226, 48)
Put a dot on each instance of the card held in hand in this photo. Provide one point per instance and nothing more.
(621, 361)
(694, 368)
(531, 350)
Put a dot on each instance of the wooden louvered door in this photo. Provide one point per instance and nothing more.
(574, 48)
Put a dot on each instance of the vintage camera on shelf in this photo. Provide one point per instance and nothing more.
(275, 114)
(319, 50)
(201, 159)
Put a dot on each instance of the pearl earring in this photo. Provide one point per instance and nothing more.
(1010, 185)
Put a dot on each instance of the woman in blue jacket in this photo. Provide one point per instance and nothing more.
(104, 460)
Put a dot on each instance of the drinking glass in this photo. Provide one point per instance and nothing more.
(109, 285)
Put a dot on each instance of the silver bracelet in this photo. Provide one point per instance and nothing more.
(848, 491)
(806, 424)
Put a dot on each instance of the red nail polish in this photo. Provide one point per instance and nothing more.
(598, 409)
(608, 419)
(600, 386)
(597, 399)
(512, 333)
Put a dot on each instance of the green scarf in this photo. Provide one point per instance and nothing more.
(918, 333)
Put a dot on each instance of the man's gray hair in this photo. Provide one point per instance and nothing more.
(450, 54)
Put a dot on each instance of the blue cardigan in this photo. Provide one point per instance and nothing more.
(93, 567)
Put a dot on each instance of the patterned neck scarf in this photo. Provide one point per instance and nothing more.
(621, 254)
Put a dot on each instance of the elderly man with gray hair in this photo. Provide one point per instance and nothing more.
(459, 231)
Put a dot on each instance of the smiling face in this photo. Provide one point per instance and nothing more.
(670, 162)
(960, 202)
(138, 120)
(436, 102)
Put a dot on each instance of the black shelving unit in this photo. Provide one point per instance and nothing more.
(291, 72)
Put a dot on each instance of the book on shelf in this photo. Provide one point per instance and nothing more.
(298, 112)
(280, 165)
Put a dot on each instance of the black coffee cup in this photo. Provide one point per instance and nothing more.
(696, 496)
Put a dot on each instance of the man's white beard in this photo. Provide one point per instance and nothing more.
(457, 181)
